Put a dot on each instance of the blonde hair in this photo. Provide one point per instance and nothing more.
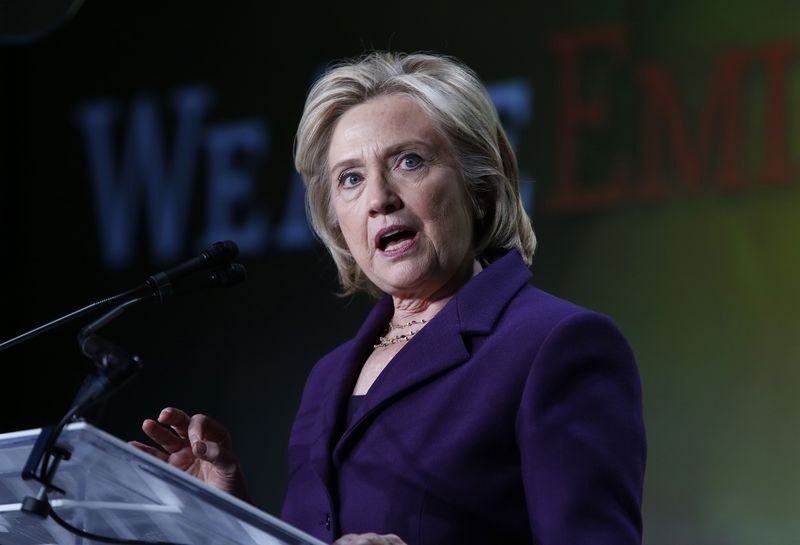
(458, 103)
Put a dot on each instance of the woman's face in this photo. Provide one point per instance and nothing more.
(399, 200)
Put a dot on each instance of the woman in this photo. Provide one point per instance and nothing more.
(470, 407)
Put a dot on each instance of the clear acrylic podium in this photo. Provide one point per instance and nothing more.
(114, 490)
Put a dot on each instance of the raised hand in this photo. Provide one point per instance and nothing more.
(198, 445)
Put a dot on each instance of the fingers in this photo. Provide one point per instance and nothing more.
(149, 450)
(204, 428)
(173, 427)
(348, 539)
(163, 436)
(176, 419)
(198, 436)
(211, 442)
(169, 430)
(369, 539)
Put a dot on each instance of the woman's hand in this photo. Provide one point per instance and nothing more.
(199, 445)
(369, 539)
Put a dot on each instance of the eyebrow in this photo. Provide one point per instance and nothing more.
(394, 149)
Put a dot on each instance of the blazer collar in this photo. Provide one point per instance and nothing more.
(342, 381)
(483, 299)
(437, 348)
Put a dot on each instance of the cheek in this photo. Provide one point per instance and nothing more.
(458, 229)
(341, 216)
(453, 215)
(437, 207)
(352, 230)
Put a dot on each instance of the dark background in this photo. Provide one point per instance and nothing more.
(702, 279)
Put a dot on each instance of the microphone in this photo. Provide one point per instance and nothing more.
(218, 254)
(223, 277)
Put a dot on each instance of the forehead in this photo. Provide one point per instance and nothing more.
(380, 124)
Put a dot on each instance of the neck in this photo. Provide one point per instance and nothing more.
(407, 309)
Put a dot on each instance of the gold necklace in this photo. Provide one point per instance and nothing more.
(383, 342)
(392, 326)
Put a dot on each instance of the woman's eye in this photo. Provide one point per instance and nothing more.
(411, 161)
(349, 179)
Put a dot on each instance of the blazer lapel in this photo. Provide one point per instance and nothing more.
(437, 348)
(440, 346)
(341, 387)
(484, 299)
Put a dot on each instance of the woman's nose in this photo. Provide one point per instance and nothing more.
(383, 197)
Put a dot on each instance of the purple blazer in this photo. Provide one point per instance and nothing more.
(513, 417)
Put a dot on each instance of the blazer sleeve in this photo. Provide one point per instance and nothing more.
(581, 435)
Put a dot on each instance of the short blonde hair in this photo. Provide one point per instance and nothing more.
(458, 103)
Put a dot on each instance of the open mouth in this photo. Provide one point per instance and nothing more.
(394, 239)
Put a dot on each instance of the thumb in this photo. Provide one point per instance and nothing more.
(211, 452)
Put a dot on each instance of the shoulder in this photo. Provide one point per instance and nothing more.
(580, 421)
(568, 342)
(534, 304)
(551, 317)
(565, 339)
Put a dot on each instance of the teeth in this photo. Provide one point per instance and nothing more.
(386, 243)
(395, 244)
(390, 233)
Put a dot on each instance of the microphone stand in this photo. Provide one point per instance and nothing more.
(162, 284)
(74, 315)
(114, 367)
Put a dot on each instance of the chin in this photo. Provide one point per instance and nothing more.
(409, 285)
